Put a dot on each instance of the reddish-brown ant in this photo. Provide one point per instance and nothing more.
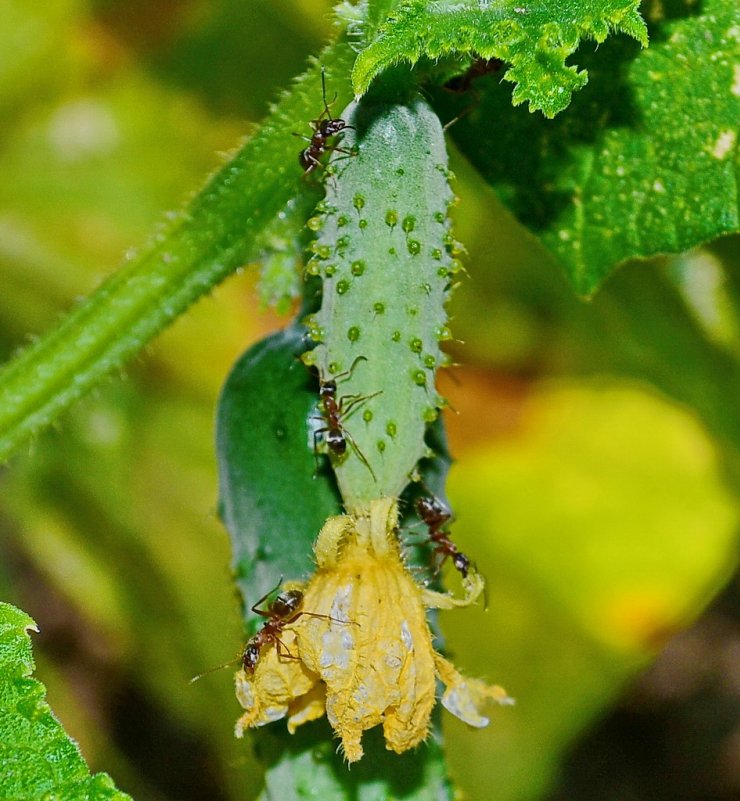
(461, 84)
(436, 517)
(334, 411)
(324, 127)
(281, 612)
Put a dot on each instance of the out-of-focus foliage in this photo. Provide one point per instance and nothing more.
(587, 505)
(600, 524)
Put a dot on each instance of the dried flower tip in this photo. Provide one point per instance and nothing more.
(362, 650)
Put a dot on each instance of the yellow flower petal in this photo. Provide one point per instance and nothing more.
(377, 665)
(473, 584)
(308, 707)
(268, 693)
(464, 697)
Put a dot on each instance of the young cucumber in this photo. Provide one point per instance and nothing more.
(387, 258)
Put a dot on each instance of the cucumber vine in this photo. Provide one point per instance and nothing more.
(605, 183)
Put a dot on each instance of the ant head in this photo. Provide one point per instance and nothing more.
(336, 441)
(250, 656)
(331, 126)
(462, 563)
(328, 389)
(286, 603)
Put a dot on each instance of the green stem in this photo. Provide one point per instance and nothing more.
(208, 240)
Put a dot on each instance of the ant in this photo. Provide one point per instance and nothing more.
(324, 127)
(461, 84)
(480, 67)
(281, 612)
(334, 410)
(436, 517)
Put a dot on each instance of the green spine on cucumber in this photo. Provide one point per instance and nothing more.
(387, 258)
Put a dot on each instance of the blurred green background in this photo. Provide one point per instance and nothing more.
(597, 444)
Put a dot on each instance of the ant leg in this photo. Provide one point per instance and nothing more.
(302, 136)
(285, 652)
(316, 434)
(313, 163)
(264, 598)
(360, 454)
(329, 617)
(345, 411)
(461, 115)
(347, 155)
(437, 562)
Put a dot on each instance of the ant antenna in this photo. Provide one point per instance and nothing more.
(323, 90)
(214, 669)
(268, 594)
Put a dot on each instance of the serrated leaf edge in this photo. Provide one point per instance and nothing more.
(553, 41)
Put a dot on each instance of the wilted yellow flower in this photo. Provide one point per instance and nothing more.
(362, 651)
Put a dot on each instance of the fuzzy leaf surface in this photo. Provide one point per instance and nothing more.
(535, 40)
(644, 162)
(37, 758)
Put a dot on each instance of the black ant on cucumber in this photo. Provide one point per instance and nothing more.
(334, 411)
(436, 517)
(324, 128)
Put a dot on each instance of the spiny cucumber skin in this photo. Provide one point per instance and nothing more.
(386, 255)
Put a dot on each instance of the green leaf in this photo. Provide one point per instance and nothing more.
(534, 40)
(199, 247)
(645, 161)
(37, 758)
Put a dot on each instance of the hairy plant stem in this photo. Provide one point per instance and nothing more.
(204, 243)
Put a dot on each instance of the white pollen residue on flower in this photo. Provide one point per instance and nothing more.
(362, 651)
